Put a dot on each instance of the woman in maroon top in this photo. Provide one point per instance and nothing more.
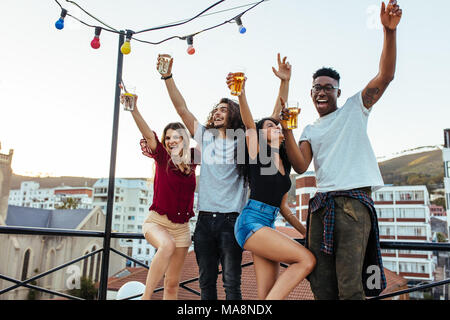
(167, 225)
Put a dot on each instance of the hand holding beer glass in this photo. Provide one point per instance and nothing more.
(164, 64)
(128, 98)
(238, 78)
(289, 114)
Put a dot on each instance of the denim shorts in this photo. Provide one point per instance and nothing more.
(254, 216)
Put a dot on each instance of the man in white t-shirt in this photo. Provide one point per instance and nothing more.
(342, 224)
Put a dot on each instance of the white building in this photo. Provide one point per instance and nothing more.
(31, 195)
(404, 215)
(132, 199)
(305, 190)
(446, 158)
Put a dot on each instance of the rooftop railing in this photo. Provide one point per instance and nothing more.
(420, 246)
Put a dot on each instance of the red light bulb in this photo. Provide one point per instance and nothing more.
(190, 42)
(191, 50)
(95, 43)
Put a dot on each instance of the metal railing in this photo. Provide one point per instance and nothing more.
(428, 246)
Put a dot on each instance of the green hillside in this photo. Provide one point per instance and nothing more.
(424, 168)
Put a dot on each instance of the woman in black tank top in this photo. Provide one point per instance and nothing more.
(268, 173)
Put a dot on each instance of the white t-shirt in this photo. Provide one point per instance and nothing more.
(342, 154)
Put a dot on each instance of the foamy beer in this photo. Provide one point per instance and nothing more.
(238, 81)
(294, 110)
(129, 101)
(164, 63)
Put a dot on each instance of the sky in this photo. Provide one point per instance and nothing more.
(58, 93)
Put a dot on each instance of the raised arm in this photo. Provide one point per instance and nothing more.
(143, 127)
(284, 73)
(390, 16)
(300, 156)
(247, 119)
(178, 101)
(292, 219)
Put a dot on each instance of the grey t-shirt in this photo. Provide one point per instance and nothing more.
(220, 188)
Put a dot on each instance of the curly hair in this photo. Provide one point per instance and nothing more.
(234, 120)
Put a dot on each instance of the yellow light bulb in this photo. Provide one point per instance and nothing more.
(126, 47)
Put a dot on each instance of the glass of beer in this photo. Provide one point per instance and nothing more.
(238, 80)
(128, 98)
(164, 62)
(294, 110)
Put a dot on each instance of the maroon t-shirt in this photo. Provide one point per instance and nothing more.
(173, 191)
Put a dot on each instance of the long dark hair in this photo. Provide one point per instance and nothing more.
(263, 146)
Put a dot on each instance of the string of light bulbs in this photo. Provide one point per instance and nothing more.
(129, 34)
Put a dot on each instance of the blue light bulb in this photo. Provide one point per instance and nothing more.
(242, 29)
(59, 24)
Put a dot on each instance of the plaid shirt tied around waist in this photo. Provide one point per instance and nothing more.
(373, 251)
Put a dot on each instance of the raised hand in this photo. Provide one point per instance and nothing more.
(284, 114)
(230, 81)
(284, 69)
(169, 70)
(390, 15)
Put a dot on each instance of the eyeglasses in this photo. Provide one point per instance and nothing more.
(327, 88)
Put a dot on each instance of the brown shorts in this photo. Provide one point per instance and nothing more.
(179, 231)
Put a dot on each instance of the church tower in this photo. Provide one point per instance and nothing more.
(5, 179)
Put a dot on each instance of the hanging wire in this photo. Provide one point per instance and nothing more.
(90, 15)
(204, 30)
(173, 24)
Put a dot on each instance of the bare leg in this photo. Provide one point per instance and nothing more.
(158, 237)
(173, 273)
(275, 246)
(266, 275)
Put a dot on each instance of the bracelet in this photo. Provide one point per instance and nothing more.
(165, 78)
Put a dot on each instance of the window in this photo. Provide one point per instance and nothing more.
(385, 213)
(411, 213)
(131, 209)
(383, 196)
(447, 167)
(410, 196)
(26, 263)
(386, 231)
(131, 217)
(412, 231)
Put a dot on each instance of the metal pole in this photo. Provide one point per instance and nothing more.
(112, 169)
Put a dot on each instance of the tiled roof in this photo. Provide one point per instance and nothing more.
(248, 280)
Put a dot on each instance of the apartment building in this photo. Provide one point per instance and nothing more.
(404, 215)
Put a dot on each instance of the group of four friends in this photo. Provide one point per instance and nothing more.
(341, 234)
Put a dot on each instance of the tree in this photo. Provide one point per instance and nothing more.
(87, 290)
(69, 203)
(441, 237)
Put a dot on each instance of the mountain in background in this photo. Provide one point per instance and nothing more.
(419, 166)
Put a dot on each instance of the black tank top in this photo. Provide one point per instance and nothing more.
(269, 188)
